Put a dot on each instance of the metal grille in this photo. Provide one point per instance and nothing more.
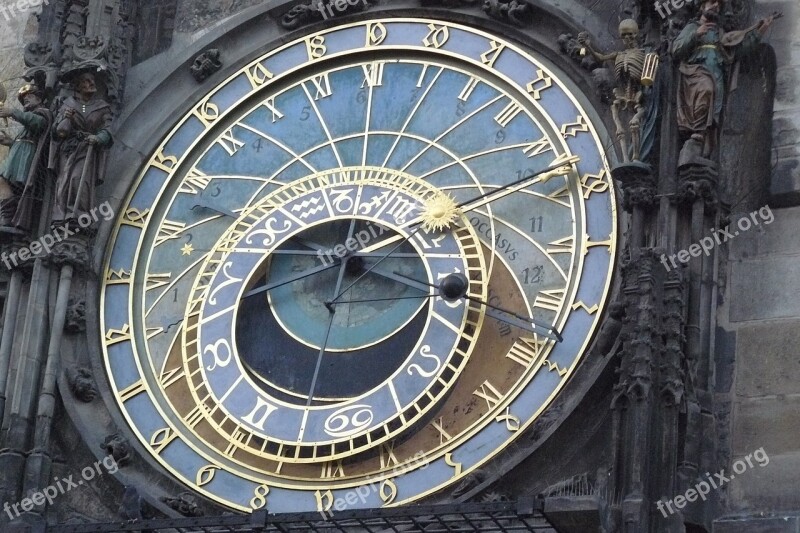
(523, 515)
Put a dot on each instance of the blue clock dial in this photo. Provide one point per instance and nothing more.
(273, 325)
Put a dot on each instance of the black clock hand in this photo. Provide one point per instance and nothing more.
(332, 310)
(301, 275)
(454, 287)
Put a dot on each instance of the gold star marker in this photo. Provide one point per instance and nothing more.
(187, 249)
(440, 213)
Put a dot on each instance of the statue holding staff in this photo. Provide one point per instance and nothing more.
(80, 149)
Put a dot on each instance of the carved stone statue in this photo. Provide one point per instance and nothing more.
(628, 93)
(24, 164)
(80, 148)
(705, 51)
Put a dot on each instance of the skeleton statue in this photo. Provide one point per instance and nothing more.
(628, 94)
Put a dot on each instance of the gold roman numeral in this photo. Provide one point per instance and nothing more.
(230, 143)
(323, 86)
(489, 392)
(194, 182)
(169, 230)
(132, 390)
(526, 350)
(331, 469)
(508, 114)
(539, 147)
(468, 89)
(550, 300)
(373, 74)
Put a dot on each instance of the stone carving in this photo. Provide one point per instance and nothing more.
(76, 317)
(517, 12)
(72, 251)
(38, 54)
(79, 152)
(570, 46)
(119, 448)
(706, 52)
(89, 49)
(81, 383)
(205, 65)
(629, 66)
(131, 506)
(22, 172)
(185, 504)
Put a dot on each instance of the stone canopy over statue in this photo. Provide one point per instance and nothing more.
(705, 51)
(81, 139)
(22, 170)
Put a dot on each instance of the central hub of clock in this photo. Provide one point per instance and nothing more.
(375, 308)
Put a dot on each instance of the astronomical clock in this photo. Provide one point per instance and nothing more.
(369, 256)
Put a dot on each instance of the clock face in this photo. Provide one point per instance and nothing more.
(276, 322)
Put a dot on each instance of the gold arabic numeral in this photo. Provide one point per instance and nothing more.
(580, 305)
(489, 392)
(466, 92)
(132, 390)
(118, 277)
(373, 74)
(554, 367)
(388, 458)
(162, 438)
(170, 377)
(194, 182)
(207, 112)
(444, 436)
(165, 163)
(539, 147)
(136, 218)
(508, 114)
(376, 33)
(322, 84)
(259, 499)
(315, 46)
(332, 469)
(571, 129)
(324, 501)
(526, 350)
(489, 57)
(388, 492)
(589, 244)
(230, 143)
(206, 475)
(550, 300)
(448, 459)
(265, 409)
(269, 103)
(238, 439)
(154, 281)
(437, 36)
(168, 231)
(512, 421)
(594, 183)
(543, 81)
(258, 75)
(114, 336)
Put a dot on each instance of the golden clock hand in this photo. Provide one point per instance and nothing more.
(561, 166)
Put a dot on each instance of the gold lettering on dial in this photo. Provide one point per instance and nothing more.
(526, 350)
(323, 86)
(230, 143)
(376, 33)
(331, 469)
(539, 147)
(205, 475)
(259, 422)
(373, 74)
(489, 57)
(258, 75)
(388, 491)
(448, 459)
(194, 182)
(543, 81)
(315, 46)
(259, 498)
(489, 392)
(508, 114)
(437, 37)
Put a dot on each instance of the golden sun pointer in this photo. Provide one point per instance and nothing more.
(440, 213)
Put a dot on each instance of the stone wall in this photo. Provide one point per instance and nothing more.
(761, 310)
(785, 38)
